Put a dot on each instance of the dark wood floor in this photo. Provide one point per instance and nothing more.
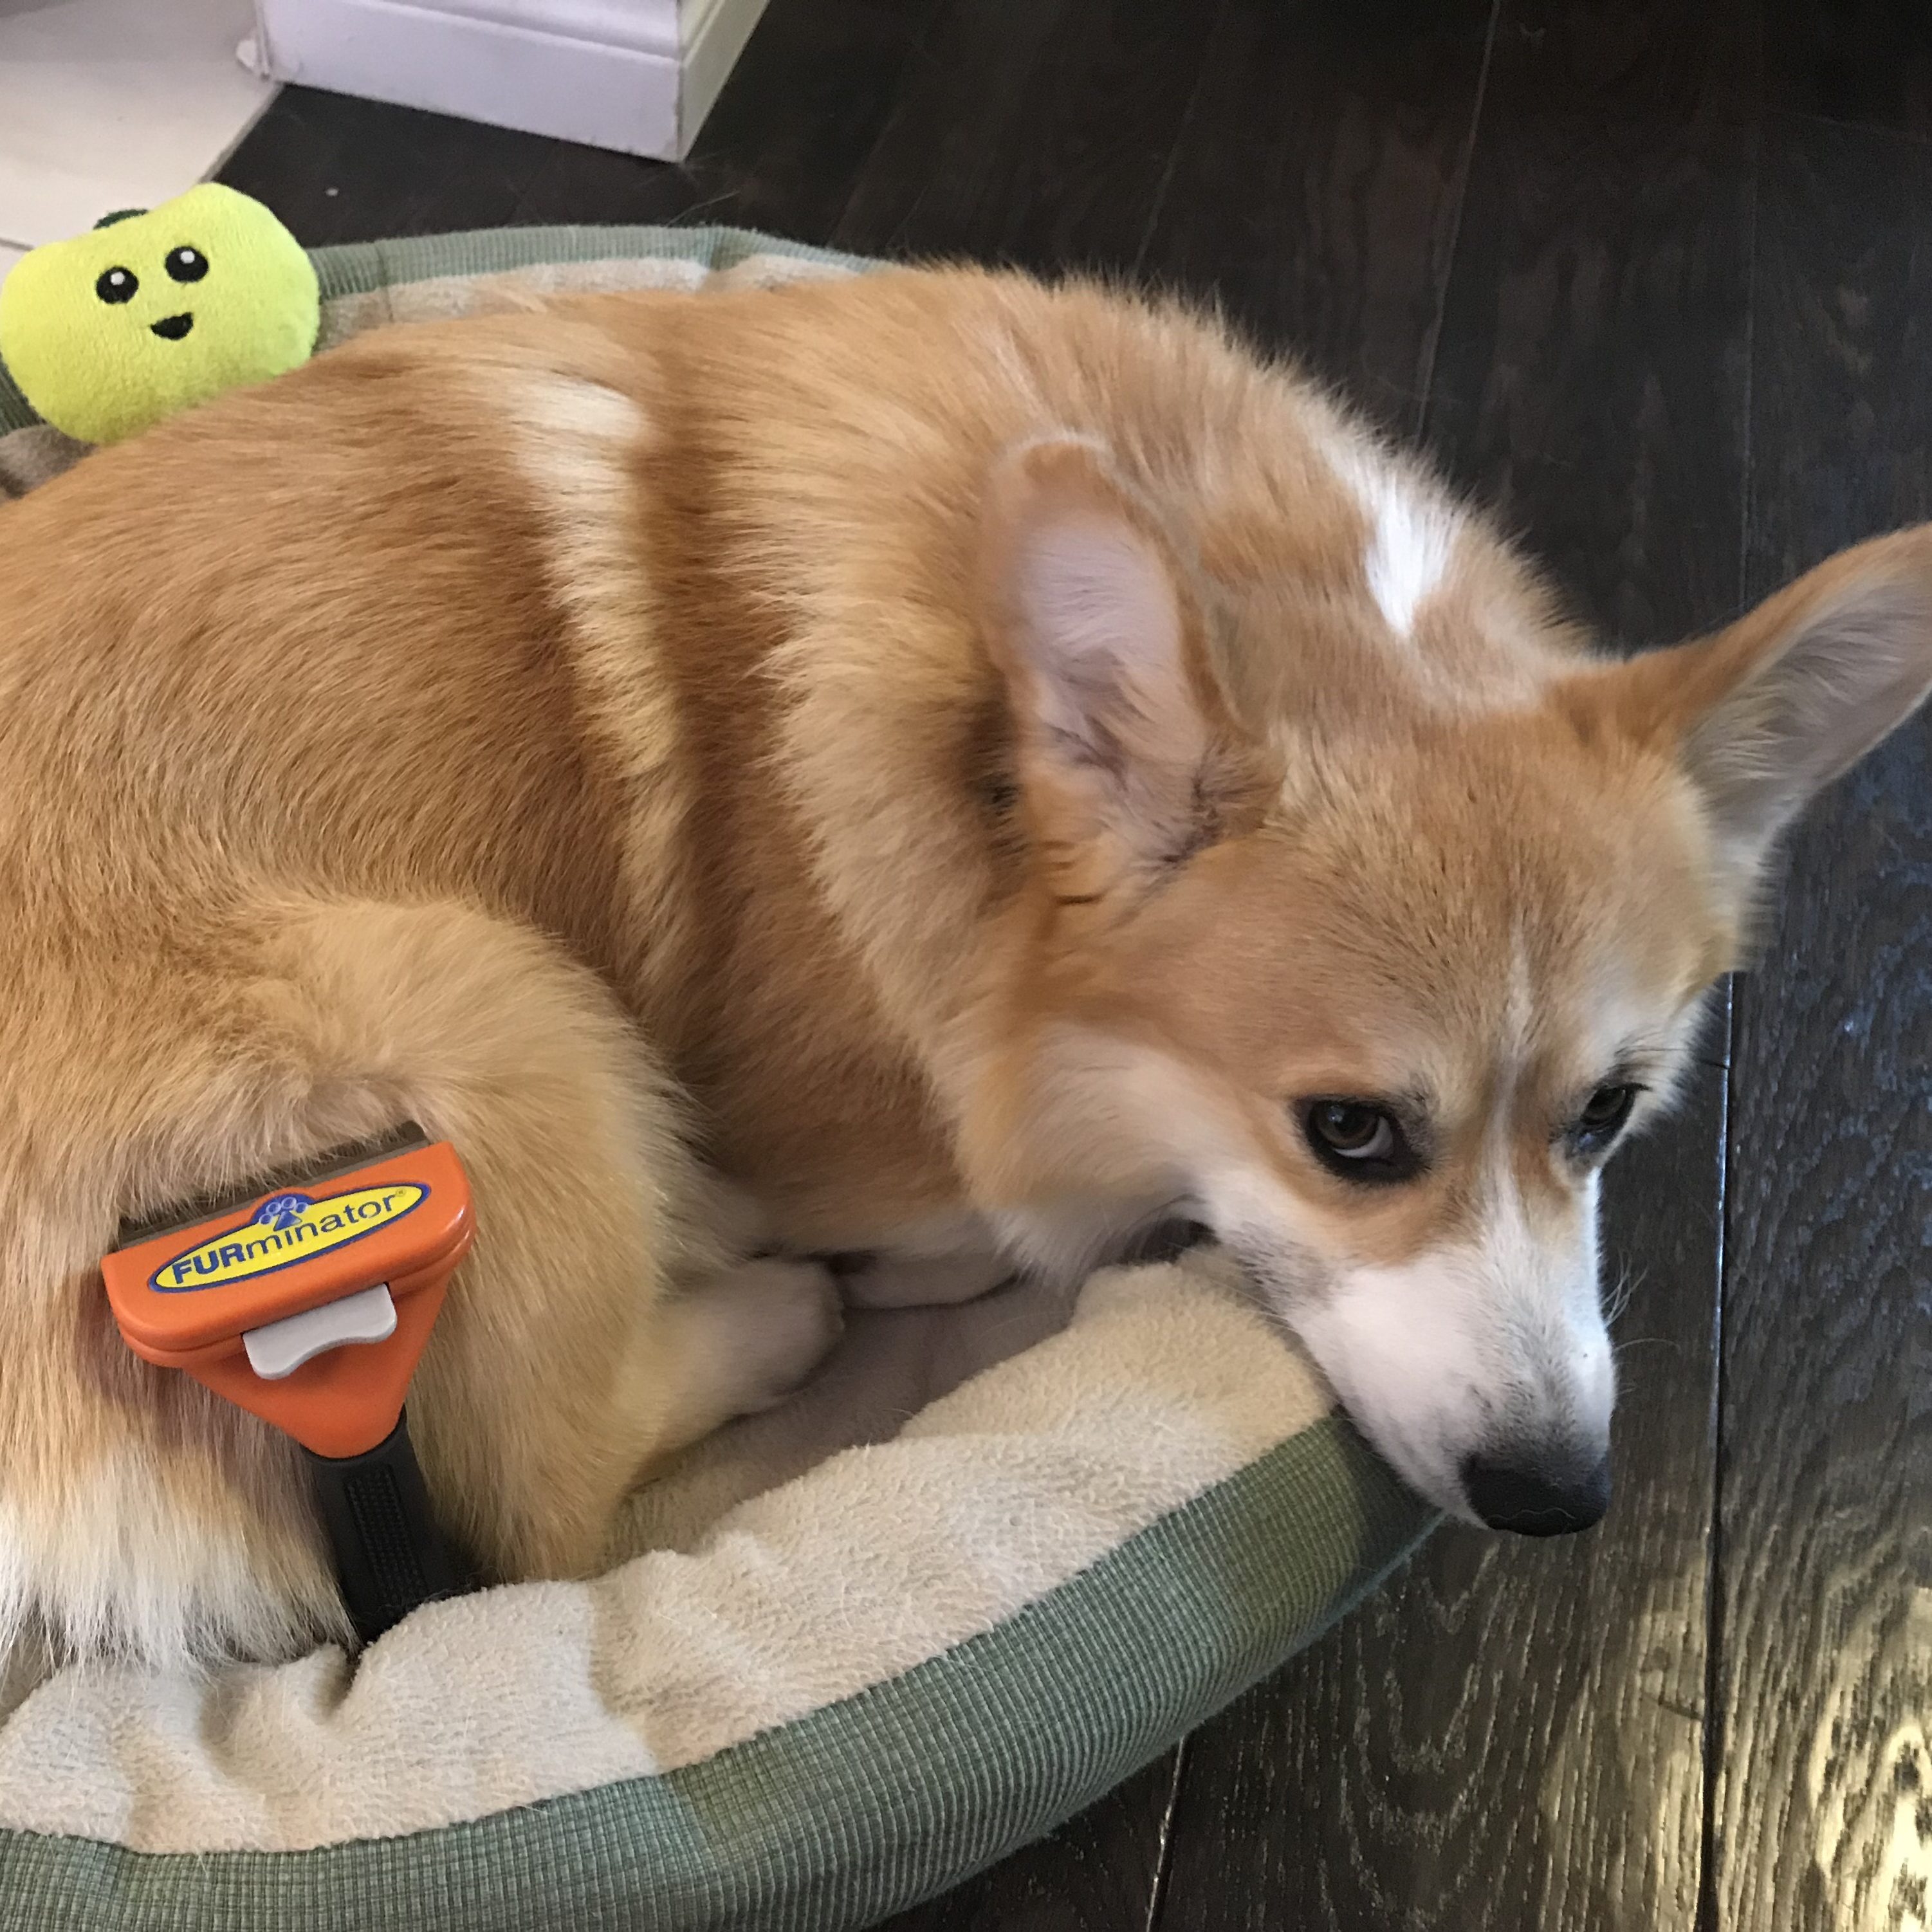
(1656, 277)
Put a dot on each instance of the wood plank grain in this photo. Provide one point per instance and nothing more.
(781, 150)
(1097, 1873)
(1824, 1806)
(1033, 132)
(1514, 1736)
(335, 169)
(1864, 61)
(1314, 191)
(1590, 381)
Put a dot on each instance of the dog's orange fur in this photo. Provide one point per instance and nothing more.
(624, 738)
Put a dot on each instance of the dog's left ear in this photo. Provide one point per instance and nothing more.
(1130, 758)
(1765, 714)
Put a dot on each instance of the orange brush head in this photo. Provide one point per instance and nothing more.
(307, 1304)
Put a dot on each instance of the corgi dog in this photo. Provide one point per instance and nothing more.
(930, 767)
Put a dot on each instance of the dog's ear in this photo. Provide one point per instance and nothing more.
(1129, 758)
(1766, 713)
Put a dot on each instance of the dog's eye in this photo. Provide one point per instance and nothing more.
(1358, 1140)
(1602, 1119)
(117, 285)
(186, 264)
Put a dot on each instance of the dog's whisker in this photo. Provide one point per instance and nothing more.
(1629, 1280)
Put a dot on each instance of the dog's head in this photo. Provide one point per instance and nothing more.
(1375, 975)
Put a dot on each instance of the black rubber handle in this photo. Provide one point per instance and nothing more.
(390, 1557)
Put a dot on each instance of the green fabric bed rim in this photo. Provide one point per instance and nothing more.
(862, 1808)
(357, 267)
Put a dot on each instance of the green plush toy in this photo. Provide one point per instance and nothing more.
(109, 331)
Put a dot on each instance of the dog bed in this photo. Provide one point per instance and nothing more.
(991, 1561)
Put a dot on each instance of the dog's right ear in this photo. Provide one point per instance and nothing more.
(1130, 759)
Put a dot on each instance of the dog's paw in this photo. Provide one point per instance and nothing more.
(780, 1319)
(922, 1281)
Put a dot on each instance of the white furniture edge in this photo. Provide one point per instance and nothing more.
(638, 76)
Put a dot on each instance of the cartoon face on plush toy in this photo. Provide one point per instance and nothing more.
(108, 332)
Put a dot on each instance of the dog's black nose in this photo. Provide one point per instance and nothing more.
(1532, 1503)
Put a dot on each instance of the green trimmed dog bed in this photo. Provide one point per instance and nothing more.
(855, 1657)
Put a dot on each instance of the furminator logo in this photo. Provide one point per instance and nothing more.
(287, 1229)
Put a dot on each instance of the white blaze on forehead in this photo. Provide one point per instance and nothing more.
(1410, 533)
(1519, 1006)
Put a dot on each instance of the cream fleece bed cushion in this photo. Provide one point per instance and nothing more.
(993, 1560)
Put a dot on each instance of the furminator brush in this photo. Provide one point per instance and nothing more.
(307, 1302)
